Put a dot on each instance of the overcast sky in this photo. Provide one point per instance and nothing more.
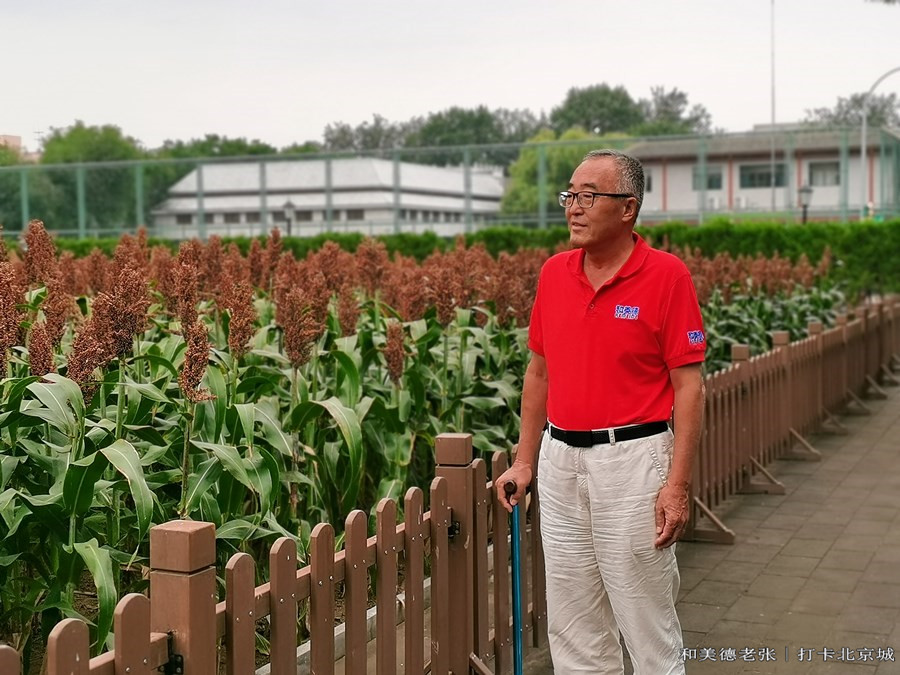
(281, 70)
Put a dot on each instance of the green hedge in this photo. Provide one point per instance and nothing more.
(866, 255)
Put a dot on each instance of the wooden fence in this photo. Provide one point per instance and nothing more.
(765, 407)
(758, 410)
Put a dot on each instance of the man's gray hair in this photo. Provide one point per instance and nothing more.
(630, 170)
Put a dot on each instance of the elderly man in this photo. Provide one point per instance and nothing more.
(617, 342)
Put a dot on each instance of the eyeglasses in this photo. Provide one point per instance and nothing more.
(586, 199)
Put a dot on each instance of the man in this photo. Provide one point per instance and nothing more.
(617, 343)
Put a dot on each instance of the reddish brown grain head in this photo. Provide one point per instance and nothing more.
(40, 350)
(40, 253)
(196, 359)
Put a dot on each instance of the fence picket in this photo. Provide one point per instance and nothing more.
(481, 500)
(240, 634)
(9, 660)
(283, 606)
(386, 591)
(356, 584)
(500, 539)
(131, 624)
(321, 599)
(69, 648)
(414, 582)
(440, 578)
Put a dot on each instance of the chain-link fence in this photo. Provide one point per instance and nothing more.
(760, 175)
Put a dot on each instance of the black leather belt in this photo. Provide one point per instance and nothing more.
(585, 439)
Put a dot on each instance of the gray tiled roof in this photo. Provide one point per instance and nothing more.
(350, 173)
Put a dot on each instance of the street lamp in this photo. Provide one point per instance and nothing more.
(805, 194)
(288, 214)
(862, 148)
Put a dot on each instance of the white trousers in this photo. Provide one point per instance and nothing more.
(604, 576)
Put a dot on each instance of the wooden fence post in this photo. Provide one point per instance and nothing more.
(183, 590)
(10, 662)
(68, 648)
(453, 453)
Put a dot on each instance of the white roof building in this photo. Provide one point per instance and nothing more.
(307, 197)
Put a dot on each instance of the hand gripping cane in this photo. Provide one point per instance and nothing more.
(510, 488)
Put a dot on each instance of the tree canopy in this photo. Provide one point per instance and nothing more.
(883, 110)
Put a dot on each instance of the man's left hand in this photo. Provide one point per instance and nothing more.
(672, 513)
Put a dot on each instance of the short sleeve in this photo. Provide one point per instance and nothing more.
(535, 328)
(683, 338)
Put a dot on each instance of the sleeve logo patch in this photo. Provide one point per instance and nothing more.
(695, 337)
(627, 312)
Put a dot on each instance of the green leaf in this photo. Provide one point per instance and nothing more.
(246, 413)
(146, 433)
(231, 459)
(484, 402)
(59, 408)
(159, 362)
(348, 423)
(216, 381)
(200, 482)
(147, 390)
(122, 455)
(272, 431)
(99, 564)
(239, 529)
(351, 373)
(79, 482)
(7, 466)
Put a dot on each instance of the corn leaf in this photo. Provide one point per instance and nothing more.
(122, 455)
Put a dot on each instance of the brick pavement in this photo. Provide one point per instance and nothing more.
(817, 568)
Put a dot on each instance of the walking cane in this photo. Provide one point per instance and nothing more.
(510, 488)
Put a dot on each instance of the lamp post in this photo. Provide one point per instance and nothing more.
(862, 145)
(805, 194)
(288, 214)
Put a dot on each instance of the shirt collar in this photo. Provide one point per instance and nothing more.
(632, 265)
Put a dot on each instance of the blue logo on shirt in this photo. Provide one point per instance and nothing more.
(695, 337)
(627, 312)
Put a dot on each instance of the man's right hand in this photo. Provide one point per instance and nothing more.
(519, 473)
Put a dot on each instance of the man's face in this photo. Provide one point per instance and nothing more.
(609, 217)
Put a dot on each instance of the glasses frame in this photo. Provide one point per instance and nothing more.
(576, 197)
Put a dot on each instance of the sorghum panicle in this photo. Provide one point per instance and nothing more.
(372, 262)
(40, 350)
(255, 261)
(301, 328)
(394, 350)
(242, 318)
(40, 253)
(196, 359)
(348, 310)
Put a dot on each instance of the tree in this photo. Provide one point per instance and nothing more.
(667, 113)
(109, 191)
(379, 134)
(599, 108)
(302, 148)
(883, 110)
(10, 201)
(213, 145)
(522, 197)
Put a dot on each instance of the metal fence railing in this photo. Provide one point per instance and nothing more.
(454, 189)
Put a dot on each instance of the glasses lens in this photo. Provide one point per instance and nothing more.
(565, 199)
(585, 200)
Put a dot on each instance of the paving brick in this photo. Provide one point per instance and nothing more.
(882, 572)
(758, 553)
(757, 610)
(806, 548)
(792, 565)
(776, 586)
(736, 572)
(846, 560)
(876, 595)
(794, 630)
(875, 620)
(857, 542)
(715, 593)
(699, 618)
(833, 580)
(818, 601)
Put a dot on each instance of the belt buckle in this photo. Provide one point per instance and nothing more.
(612, 435)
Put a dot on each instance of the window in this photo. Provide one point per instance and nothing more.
(209, 218)
(183, 218)
(355, 214)
(232, 218)
(403, 215)
(713, 178)
(824, 173)
(303, 216)
(760, 176)
(279, 216)
(251, 217)
(648, 182)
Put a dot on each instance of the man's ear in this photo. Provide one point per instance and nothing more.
(629, 213)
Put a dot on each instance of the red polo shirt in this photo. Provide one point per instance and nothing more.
(609, 352)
